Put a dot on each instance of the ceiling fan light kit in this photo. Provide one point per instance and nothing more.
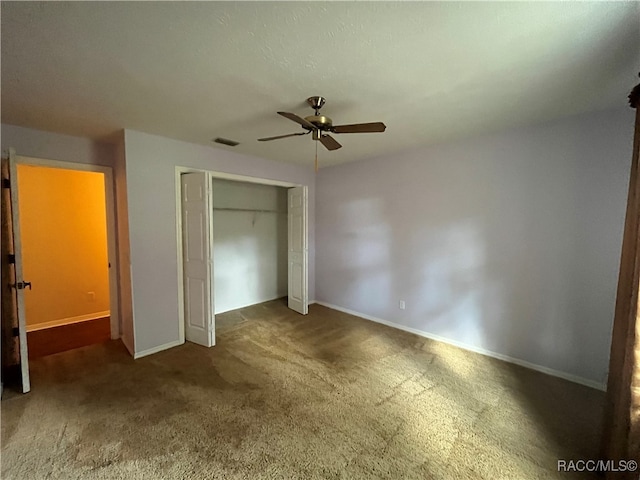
(320, 126)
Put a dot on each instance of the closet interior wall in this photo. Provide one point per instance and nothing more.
(249, 244)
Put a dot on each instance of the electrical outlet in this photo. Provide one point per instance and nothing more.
(91, 296)
(401, 305)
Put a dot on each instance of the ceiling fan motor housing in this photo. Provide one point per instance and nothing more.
(320, 121)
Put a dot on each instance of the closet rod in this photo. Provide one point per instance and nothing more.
(247, 210)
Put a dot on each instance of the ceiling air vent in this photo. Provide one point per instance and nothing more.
(226, 141)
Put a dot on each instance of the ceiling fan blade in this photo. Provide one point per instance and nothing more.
(373, 127)
(329, 142)
(297, 119)
(281, 136)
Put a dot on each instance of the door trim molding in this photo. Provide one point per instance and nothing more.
(112, 252)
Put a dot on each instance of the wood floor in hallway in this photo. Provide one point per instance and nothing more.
(67, 337)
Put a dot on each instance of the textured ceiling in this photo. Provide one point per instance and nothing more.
(197, 70)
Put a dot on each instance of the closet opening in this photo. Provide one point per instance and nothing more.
(249, 244)
(242, 241)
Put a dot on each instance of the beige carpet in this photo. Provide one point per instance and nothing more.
(284, 396)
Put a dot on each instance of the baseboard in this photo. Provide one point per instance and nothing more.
(157, 349)
(68, 321)
(471, 348)
(128, 344)
(252, 304)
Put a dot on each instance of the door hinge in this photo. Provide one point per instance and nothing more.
(6, 183)
(21, 285)
(15, 331)
(11, 259)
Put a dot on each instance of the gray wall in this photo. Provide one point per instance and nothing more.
(508, 243)
(249, 244)
(67, 148)
(54, 146)
(151, 163)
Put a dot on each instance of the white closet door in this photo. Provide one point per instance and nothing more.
(298, 250)
(197, 258)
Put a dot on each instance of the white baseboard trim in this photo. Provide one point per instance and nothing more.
(157, 349)
(251, 304)
(482, 351)
(128, 344)
(67, 321)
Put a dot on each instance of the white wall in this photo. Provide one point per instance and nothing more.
(151, 163)
(67, 148)
(249, 244)
(508, 243)
(54, 146)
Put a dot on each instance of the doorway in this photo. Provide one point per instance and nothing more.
(63, 238)
(262, 248)
(63, 227)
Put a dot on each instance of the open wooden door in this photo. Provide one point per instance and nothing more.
(298, 249)
(621, 433)
(197, 257)
(15, 356)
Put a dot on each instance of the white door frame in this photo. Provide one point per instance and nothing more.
(224, 176)
(109, 186)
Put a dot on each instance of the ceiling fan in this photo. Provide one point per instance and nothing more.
(320, 126)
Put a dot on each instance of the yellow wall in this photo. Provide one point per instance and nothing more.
(64, 242)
